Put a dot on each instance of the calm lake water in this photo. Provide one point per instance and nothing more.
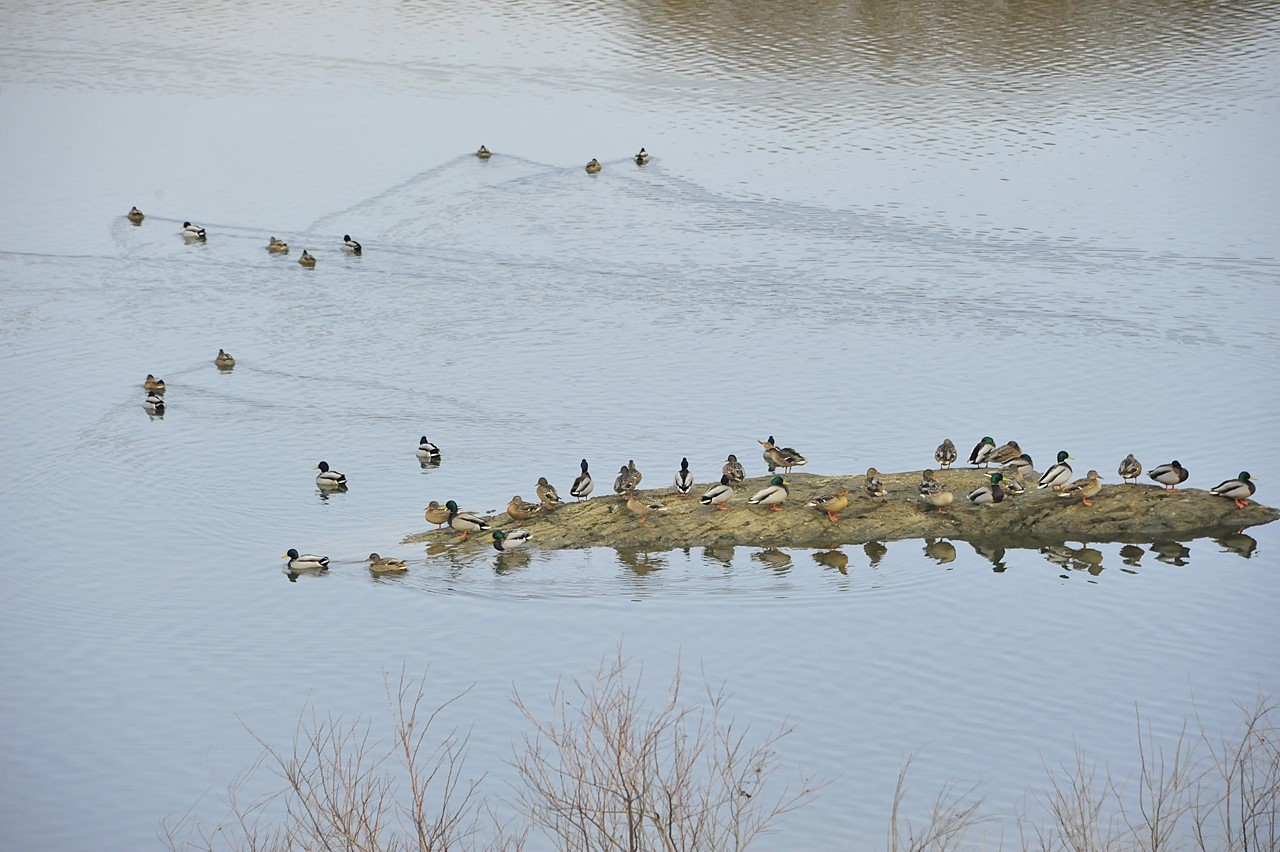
(864, 229)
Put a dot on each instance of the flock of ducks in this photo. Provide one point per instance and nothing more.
(155, 388)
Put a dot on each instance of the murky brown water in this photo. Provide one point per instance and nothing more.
(864, 229)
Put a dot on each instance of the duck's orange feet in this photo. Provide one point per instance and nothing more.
(722, 507)
(463, 537)
(832, 517)
(775, 508)
(1086, 501)
(644, 518)
(1240, 504)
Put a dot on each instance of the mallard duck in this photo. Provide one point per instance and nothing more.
(642, 158)
(733, 469)
(329, 478)
(622, 482)
(350, 245)
(985, 495)
(522, 511)
(306, 561)
(594, 167)
(484, 153)
(684, 479)
(1004, 454)
(1170, 475)
(277, 246)
(1130, 469)
(464, 522)
(505, 541)
(634, 472)
(151, 383)
(946, 454)
(427, 450)
(1239, 489)
(771, 495)
(1088, 487)
(929, 483)
(940, 497)
(1022, 464)
(154, 403)
(982, 452)
(386, 564)
(307, 260)
(874, 487)
(832, 504)
(223, 361)
(643, 507)
(436, 514)
(718, 495)
(781, 457)
(1014, 482)
(192, 232)
(548, 495)
(1058, 475)
(583, 485)
(135, 216)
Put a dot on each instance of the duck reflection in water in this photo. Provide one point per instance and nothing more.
(776, 559)
(721, 553)
(942, 552)
(1238, 543)
(641, 561)
(510, 561)
(833, 559)
(1171, 552)
(1074, 558)
(1131, 554)
(993, 554)
(875, 551)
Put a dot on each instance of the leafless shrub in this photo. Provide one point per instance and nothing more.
(955, 813)
(608, 770)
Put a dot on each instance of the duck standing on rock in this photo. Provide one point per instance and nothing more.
(1130, 470)
(329, 478)
(939, 497)
(582, 485)
(464, 522)
(519, 510)
(771, 495)
(1088, 487)
(1239, 489)
(874, 487)
(733, 469)
(718, 495)
(982, 452)
(781, 457)
(1014, 483)
(832, 504)
(684, 479)
(1058, 475)
(436, 514)
(505, 541)
(929, 483)
(946, 453)
(1170, 475)
(986, 495)
(548, 495)
(1007, 453)
(634, 472)
(622, 483)
(643, 507)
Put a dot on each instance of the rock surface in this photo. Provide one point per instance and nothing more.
(1121, 513)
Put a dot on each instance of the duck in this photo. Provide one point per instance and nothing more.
(329, 478)
(771, 495)
(505, 541)
(733, 469)
(985, 495)
(305, 561)
(643, 507)
(151, 383)
(135, 216)
(684, 479)
(484, 153)
(307, 260)
(548, 495)
(1170, 475)
(522, 511)
(634, 471)
(642, 158)
(594, 167)
(832, 504)
(436, 514)
(1014, 482)
(1022, 464)
(1239, 489)
(350, 245)
(276, 246)
(192, 232)
(929, 483)
(874, 487)
(1130, 469)
(464, 522)
(719, 494)
(1058, 475)
(427, 450)
(154, 403)
(386, 564)
(781, 457)
(1006, 453)
(982, 451)
(946, 453)
(1088, 487)
(622, 482)
(940, 498)
(223, 361)
(582, 485)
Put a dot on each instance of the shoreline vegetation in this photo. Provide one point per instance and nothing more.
(1125, 513)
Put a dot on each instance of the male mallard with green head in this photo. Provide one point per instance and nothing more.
(1239, 489)
(465, 522)
(771, 495)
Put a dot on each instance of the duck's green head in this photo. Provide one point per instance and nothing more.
(499, 535)
(1244, 476)
(988, 440)
(1063, 456)
(996, 477)
(777, 480)
(291, 553)
(451, 506)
